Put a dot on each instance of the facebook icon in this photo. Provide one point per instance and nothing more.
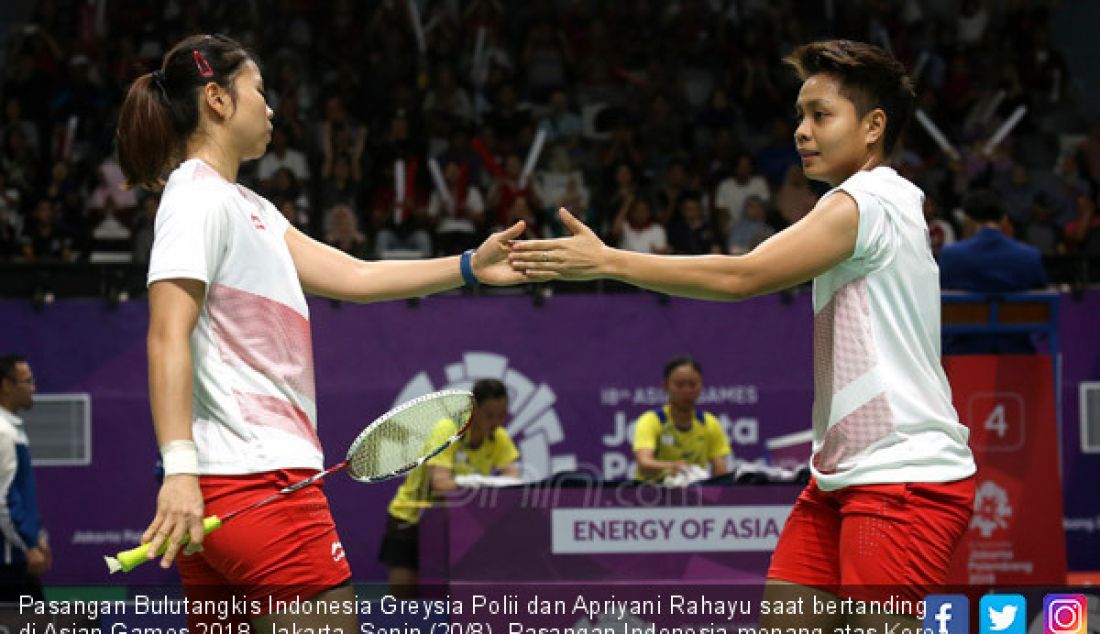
(946, 614)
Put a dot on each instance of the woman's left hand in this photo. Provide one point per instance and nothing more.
(490, 261)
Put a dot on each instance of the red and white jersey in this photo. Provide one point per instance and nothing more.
(882, 405)
(254, 401)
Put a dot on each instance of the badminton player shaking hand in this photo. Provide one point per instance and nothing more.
(893, 487)
(231, 381)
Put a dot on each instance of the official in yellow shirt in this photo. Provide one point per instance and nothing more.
(669, 439)
(485, 448)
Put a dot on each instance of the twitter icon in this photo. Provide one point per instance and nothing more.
(1003, 614)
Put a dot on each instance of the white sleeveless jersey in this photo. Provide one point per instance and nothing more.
(254, 402)
(882, 405)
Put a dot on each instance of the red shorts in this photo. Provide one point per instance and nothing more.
(872, 542)
(283, 550)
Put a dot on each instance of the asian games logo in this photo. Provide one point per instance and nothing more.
(534, 424)
(991, 509)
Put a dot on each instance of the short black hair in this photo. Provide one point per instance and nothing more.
(8, 363)
(869, 76)
(983, 205)
(488, 390)
(671, 366)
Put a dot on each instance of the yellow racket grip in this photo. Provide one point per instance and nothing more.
(127, 560)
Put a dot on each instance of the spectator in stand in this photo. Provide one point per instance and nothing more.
(283, 185)
(649, 65)
(719, 115)
(459, 150)
(10, 244)
(110, 187)
(13, 120)
(751, 228)
(457, 213)
(19, 160)
(279, 155)
(1043, 69)
(674, 188)
(940, 232)
(988, 261)
(1041, 231)
(400, 230)
(295, 214)
(1083, 232)
(342, 232)
(574, 198)
(794, 198)
(757, 91)
(622, 146)
(11, 213)
(635, 230)
(65, 191)
(561, 124)
(1017, 190)
(691, 233)
(291, 121)
(521, 210)
(1089, 153)
(546, 60)
(506, 118)
(665, 131)
(775, 160)
(447, 105)
(340, 135)
(399, 144)
(341, 185)
(621, 185)
(506, 188)
(44, 240)
(745, 183)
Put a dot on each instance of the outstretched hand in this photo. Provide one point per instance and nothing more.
(580, 256)
(490, 261)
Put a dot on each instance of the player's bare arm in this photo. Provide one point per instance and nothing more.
(329, 272)
(814, 244)
(174, 307)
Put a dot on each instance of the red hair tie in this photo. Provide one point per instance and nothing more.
(205, 70)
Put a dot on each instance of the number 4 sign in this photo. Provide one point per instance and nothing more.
(1000, 415)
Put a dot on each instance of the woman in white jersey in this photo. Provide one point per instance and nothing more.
(230, 356)
(892, 488)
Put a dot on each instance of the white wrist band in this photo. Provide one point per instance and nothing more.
(180, 457)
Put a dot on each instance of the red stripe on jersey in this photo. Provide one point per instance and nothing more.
(274, 412)
(270, 337)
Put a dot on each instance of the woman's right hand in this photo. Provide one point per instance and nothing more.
(179, 513)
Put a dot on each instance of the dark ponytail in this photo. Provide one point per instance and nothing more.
(161, 109)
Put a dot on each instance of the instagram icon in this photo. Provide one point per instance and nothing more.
(1064, 614)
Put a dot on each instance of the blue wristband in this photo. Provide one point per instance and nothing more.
(465, 264)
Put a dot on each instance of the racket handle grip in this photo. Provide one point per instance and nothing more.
(127, 560)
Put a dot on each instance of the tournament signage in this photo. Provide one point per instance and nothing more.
(1008, 404)
(667, 530)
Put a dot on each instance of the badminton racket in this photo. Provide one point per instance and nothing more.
(393, 444)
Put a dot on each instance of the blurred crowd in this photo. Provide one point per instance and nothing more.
(412, 128)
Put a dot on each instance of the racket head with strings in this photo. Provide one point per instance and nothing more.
(397, 442)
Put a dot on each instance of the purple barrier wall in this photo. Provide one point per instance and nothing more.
(579, 369)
